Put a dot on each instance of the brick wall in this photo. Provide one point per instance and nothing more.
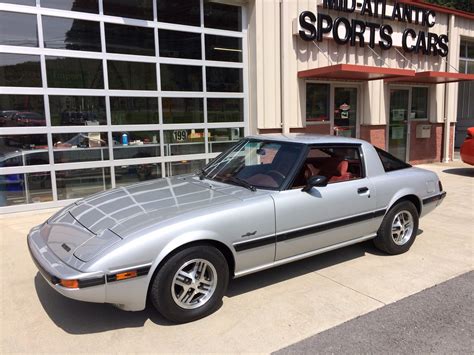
(374, 135)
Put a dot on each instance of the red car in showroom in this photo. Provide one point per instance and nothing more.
(467, 148)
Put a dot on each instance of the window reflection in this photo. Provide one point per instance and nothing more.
(180, 77)
(21, 2)
(131, 75)
(221, 139)
(90, 6)
(225, 110)
(129, 174)
(317, 102)
(133, 144)
(21, 110)
(78, 147)
(184, 141)
(179, 44)
(77, 110)
(184, 167)
(78, 73)
(224, 79)
(129, 39)
(141, 9)
(23, 150)
(227, 49)
(83, 182)
(20, 70)
(18, 29)
(65, 33)
(134, 110)
(222, 16)
(17, 189)
(419, 102)
(182, 110)
(184, 12)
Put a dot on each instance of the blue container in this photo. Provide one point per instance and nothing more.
(125, 139)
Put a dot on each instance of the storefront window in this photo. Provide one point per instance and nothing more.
(20, 70)
(129, 174)
(21, 2)
(21, 111)
(419, 102)
(65, 33)
(183, 12)
(91, 6)
(129, 39)
(23, 150)
(182, 110)
(317, 102)
(177, 44)
(184, 141)
(184, 167)
(180, 77)
(136, 144)
(77, 73)
(131, 75)
(18, 189)
(222, 16)
(18, 29)
(83, 182)
(225, 110)
(77, 110)
(345, 111)
(224, 79)
(221, 139)
(226, 49)
(134, 110)
(79, 147)
(141, 9)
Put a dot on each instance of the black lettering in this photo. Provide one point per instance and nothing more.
(417, 15)
(443, 45)
(432, 43)
(386, 36)
(421, 43)
(335, 31)
(407, 13)
(406, 33)
(396, 13)
(372, 27)
(352, 8)
(431, 18)
(384, 8)
(333, 4)
(324, 25)
(367, 6)
(307, 26)
(358, 29)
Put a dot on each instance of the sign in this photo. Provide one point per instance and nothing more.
(342, 30)
(180, 135)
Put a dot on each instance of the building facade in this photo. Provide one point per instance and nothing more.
(96, 94)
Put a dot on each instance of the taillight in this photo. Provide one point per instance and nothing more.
(440, 186)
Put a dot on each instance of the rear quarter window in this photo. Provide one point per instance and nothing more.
(389, 162)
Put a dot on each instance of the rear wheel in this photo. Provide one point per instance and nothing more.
(191, 284)
(398, 230)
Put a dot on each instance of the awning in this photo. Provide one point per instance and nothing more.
(433, 77)
(354, 72)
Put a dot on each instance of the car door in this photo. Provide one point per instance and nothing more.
(339, 212)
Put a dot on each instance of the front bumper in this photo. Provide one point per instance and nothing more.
(92, 286)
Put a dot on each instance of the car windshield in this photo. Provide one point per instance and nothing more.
(255, 164)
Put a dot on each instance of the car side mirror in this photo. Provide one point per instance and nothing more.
(317, 180)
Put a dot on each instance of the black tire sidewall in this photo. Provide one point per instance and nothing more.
(384, 239)
(160, 291)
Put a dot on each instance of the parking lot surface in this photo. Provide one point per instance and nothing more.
(263, 312)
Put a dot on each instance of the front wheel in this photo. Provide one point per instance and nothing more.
(398, 229)
(191, 284)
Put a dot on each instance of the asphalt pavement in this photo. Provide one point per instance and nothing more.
(438, 320)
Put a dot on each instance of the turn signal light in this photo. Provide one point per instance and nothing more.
(126, 275)
(69, 283)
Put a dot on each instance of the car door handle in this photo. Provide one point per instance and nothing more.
(362, 190)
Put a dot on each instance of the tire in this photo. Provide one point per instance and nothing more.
(399, 239)
(184, 271)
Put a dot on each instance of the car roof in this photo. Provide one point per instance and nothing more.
(306, 138)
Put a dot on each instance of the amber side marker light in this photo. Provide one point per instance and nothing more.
(69, 283)
(126, 275)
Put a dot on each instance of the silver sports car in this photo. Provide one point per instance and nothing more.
(267, 201)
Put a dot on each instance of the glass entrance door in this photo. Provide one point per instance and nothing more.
(345, 111)
(398, 125)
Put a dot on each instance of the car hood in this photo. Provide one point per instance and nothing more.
(110, 216)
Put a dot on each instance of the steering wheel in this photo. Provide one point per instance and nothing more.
(275, 173)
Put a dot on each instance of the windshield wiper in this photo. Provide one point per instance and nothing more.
(202, 174)
(242, 183)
